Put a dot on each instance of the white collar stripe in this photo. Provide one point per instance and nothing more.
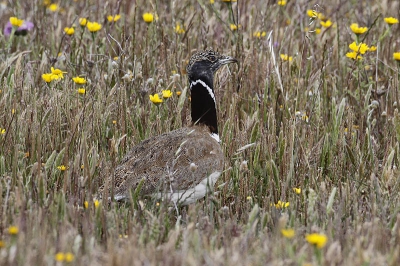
(210, 91)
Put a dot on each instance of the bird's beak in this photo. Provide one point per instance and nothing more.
(227, 60)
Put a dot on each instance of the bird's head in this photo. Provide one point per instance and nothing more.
(206, 63)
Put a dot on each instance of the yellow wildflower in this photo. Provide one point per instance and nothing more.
(62, 167)
(166, 94)
(16, 22)
(211, 1)
(2, 244)
(259, 34)
(362, 48)
(372, 48)
(53, 7)
(155, 99)
(13, 230)
(396, 56)
(319, 240)
(96, 203)
(83, 22)
(69, 31)
(248, 197)
(228, 1)
(86, 204)
(321, 16)
(288, 233)
(353, 55)
(282, 3)
(69, 257)
(391, 20)
(281, 204)
(58, 72)
(60, 257)
(178, 93)
(2, 131)
(358, 30)
(179, 29)
(234, 27)
(79, 80)
(326, 24)
(148, 17)
(48, 77)
(297, 190)
(113, 18)
(81, 91)
(93, 26)
(285, 57)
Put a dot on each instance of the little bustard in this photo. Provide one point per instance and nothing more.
(183, 164)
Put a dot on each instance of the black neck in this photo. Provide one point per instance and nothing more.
(203, 105)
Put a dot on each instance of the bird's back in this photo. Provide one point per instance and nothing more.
(172, 162)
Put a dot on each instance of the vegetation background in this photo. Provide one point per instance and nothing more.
(311, 138)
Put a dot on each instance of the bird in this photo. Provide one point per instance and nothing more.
(183, 165)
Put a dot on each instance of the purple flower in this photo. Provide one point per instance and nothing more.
(21, 31)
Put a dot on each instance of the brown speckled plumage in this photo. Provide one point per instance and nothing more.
(187, 159)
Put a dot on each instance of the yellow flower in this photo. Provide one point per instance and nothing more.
(179, 29)
(69, 257)
(372, 48)
(148, 17)
(259, 34)
(396, 56)
(81, 91)
(178, 93)
(113, 18)
(166, 94)
(60, 257)
(69, 31)
(13, 230)
(353, 55)
(2, 244)
(297, 190)
(319, 240)
(16, 22)
(285, 57)
(282, 3)
(235, 27)
(53, 7)
(62, 167)
(358, 30)
(362, 48)
(93, 26)
(96, 203)
(211, 1)
(281, 204)
(57, 72)
(248, 197)
(312, 13)
(86, 204)
(326, 24)
(48, 77)
(391, 20)
(321, 16)
(83, 22)
(2, 131)
(155, 99)
(288, 233)
(79, 80)
(228, 1)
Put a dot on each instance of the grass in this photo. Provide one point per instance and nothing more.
(322, 122)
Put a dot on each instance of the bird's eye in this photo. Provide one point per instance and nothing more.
(212, 58)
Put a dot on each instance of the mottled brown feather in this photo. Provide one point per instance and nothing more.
(164, 161)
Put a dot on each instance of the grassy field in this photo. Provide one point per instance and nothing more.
(311, 139)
